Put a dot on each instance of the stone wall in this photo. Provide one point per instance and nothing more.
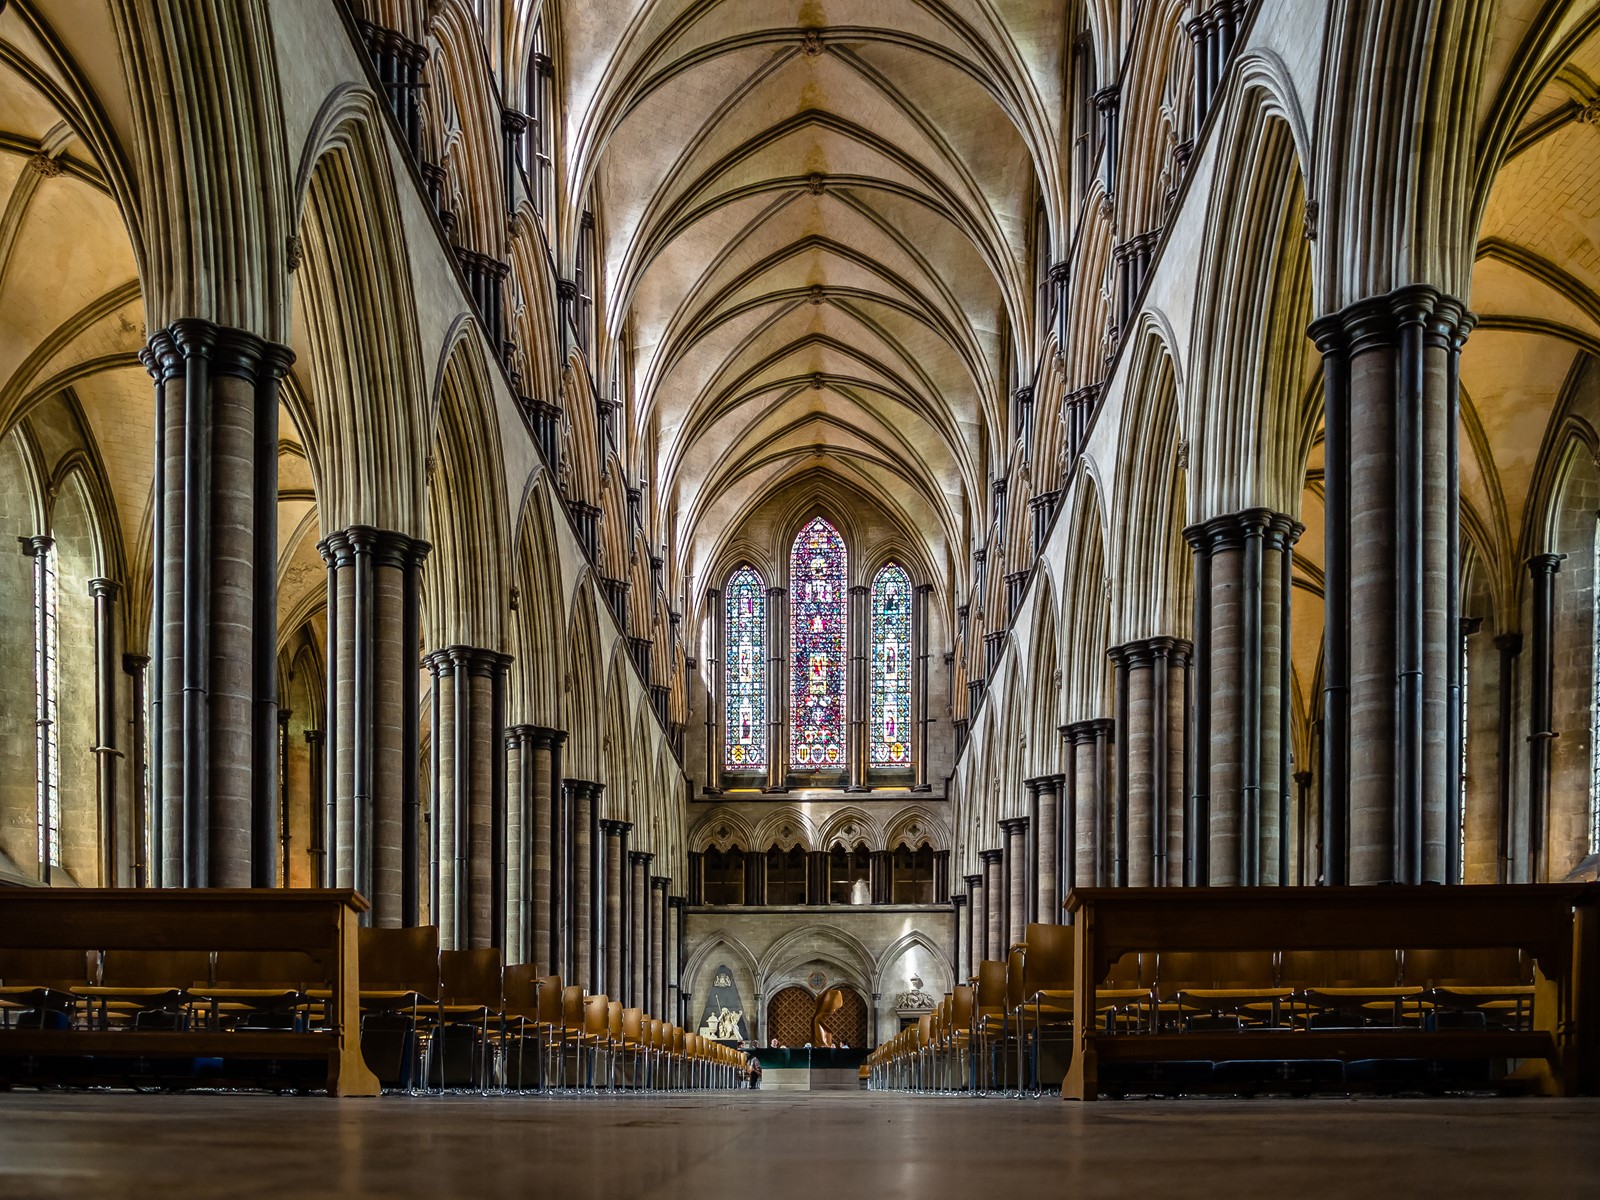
(874, 950)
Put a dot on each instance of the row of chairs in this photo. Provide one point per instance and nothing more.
(994, 1032)
(430, 1019)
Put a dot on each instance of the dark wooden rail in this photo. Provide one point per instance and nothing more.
(320, 923)
(1557, 925)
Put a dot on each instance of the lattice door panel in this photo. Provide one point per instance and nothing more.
(849, 1024)
(789, 1016)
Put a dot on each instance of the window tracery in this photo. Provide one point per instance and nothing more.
(817, 574)
(745, 690)
(889, 738)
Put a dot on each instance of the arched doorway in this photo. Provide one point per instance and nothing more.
(849, 1024)
(789, 1015)
(792, 1009)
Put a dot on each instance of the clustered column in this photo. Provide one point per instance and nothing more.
(1391, 667)
(994, 904)
(1152, 709)
(536, 746)
(658, 946)
(638, 927)
(215, 602)
(469, 794)
(616, 856)
(1045, 798)
(1088, 787)
(1018, 880)
(977, 924)
(1239, 809)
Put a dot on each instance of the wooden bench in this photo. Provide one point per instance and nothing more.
(322, 924)
(1557, 925)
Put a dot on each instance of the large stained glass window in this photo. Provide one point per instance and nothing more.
(889, 738)
(744, 714)
(817, 618)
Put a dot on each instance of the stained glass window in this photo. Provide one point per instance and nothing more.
(817, 619)
(890, 735)
(744, 715)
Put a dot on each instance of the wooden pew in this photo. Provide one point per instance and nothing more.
(321, 923)
(1557, 925)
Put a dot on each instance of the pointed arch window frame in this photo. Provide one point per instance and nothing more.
(819, 646)
(745, 676)
(890, 665)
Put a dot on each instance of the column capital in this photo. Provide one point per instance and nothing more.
(640, 858)
(512, 121)
(36, 544)
(314, 737)
(661, 882)
(104, 588)
(1376, 321)
(1014, 824)
(1040, 784)
(1230, 530)
(615, 828)
(1082, 732)
(972, 881)
(1545, 564)
(992, 857)
(541, 737)
(133, 664)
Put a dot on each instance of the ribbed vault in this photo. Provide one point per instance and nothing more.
(814, 220)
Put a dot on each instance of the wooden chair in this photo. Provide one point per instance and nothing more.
(1045, 960)
(532, 1023)
(469, 1012)
(1494, 985)
(36, 986)
(144, 989)
(1359, 987)
(259, 989)
(400, 991)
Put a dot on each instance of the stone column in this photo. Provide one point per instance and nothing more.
(778, 687)
(215, 602)
(1509, 646)
(104, 594)
(538, 744)
(318, 850)
(880, 875)
(674, 933)
(817, 877)
(695, 892)
(1542, 568)
(1018, 881)
(517, 754)
(1390, 368)
(134, 667)
(1246, 559)
(1045, 795)
(374, 585)
(469, 793)
(638, 928)
(1091, 778)
(1151, 697)
(856, 688)
(977, 924)
(585, 809)
(755, 878)
(658, 947)
(616, 835)
(994, 904)
(941, 877)
(960, 957)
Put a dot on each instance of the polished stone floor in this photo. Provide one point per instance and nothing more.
(773, 1146)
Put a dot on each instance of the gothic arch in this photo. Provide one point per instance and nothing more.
(467, 518)
(354, 294)
(1251, 357)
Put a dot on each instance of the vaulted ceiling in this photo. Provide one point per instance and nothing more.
(815, 223)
